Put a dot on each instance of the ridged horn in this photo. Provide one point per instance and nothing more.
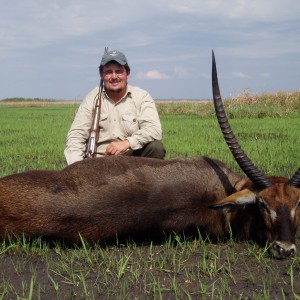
(256, 176)
(295, 179)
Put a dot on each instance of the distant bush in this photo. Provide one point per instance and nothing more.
(245, 105)
(26, 99)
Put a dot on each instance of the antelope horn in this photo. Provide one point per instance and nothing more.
(295, 180)
(255, 175)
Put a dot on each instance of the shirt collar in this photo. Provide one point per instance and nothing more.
(127, 94)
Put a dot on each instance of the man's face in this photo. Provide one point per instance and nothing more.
(114, 77)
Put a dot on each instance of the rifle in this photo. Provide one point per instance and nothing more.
(94, 132)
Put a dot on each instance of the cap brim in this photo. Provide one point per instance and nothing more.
(119, 61)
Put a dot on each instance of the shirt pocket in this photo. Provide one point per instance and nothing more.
(103, 125)
(103, 117)
(130, 124)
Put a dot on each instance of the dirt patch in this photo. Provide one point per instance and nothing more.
(232, 270)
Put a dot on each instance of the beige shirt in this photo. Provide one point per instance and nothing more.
(134, 118)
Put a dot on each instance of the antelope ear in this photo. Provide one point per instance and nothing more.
(235, 201)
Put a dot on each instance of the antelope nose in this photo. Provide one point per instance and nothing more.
(291, 252)
(283, 250)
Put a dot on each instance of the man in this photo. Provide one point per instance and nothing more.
(129, 121)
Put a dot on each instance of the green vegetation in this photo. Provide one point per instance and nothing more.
(28, 100)
(33, 137)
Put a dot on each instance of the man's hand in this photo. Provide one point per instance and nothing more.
(117, 147)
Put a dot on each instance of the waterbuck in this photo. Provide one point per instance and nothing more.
(99, 199)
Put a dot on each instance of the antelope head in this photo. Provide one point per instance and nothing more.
(276, 199)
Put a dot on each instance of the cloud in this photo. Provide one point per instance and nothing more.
(53, 48)
(255, 10)
(181, 72)
(239, 75)
(152, 74)
(32, 23)
(266, 75)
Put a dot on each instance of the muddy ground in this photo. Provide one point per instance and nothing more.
(238, 274)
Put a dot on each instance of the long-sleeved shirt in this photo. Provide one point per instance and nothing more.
(134, 117)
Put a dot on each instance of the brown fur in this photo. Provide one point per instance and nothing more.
(121, 196)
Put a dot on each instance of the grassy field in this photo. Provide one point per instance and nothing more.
(33, 133)
(32, 136)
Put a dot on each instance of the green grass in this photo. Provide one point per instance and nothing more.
(34, 138)
(269, 142)
(178, 268)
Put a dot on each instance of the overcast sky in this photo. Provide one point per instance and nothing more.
(52, 49)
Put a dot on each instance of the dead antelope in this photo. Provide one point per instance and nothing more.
(127, 196)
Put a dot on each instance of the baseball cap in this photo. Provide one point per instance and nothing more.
(113, 55)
